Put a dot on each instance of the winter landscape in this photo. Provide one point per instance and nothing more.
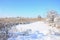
(29, 19)
(38, 29)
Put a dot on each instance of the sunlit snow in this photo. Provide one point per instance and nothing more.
(33, 31)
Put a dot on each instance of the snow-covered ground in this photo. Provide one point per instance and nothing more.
(34, 31)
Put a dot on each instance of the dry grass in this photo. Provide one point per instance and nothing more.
(18, 20)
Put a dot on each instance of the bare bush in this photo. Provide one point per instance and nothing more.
(51, 16)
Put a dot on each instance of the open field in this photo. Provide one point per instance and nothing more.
(19, 20)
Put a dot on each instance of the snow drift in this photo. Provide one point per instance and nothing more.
(45, 32)
(36, 26)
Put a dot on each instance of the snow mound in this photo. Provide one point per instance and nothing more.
(37, 31)
(36, 26)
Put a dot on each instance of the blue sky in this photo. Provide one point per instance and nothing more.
(27, 8)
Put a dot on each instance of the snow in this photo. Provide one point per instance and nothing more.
(37, 31)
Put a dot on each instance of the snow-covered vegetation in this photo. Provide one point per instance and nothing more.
(40, 29)
(34, 31)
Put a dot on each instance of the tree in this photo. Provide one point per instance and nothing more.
(39, 16)
(51, 16)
